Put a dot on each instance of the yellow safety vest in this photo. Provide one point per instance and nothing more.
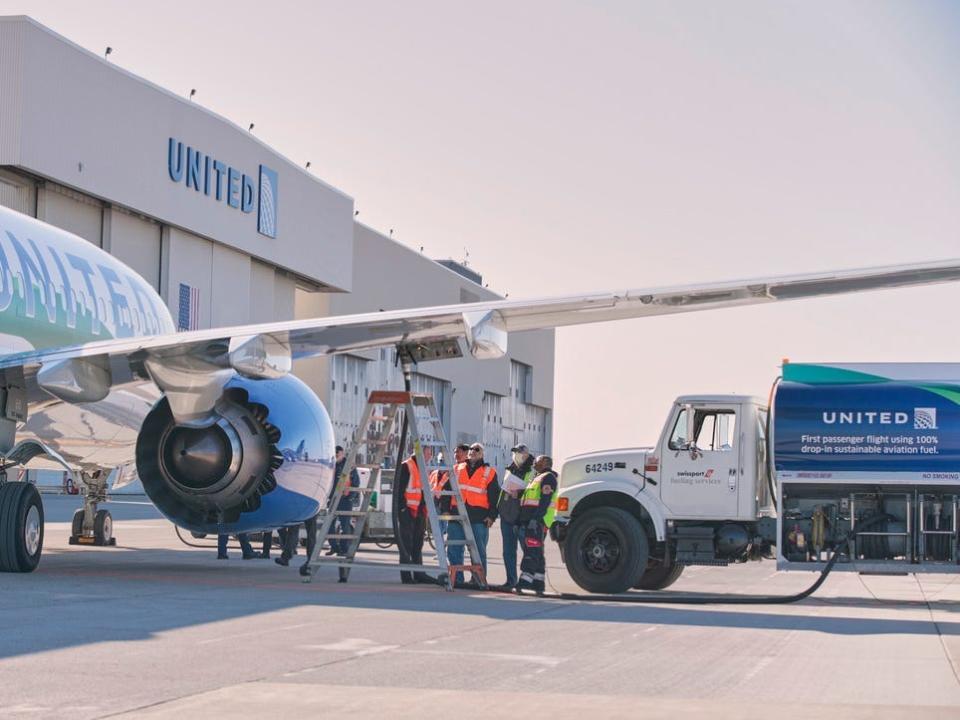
(531, 498)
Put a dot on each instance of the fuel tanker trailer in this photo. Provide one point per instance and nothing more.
(860, 459)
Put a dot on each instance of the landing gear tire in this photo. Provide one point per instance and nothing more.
(606, 550)
(21, 527)
(76, 528)
(103, 528)
(660, 577)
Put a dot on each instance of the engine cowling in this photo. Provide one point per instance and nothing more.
(265, 460)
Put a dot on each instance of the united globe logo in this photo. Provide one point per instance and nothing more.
(267, 210)
(924, 418)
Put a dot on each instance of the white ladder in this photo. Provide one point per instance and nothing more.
(373, 436)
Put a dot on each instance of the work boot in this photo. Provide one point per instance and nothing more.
(281, 561)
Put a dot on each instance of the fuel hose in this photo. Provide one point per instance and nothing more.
(653, 598)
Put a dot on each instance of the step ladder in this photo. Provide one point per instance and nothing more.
(373, 436)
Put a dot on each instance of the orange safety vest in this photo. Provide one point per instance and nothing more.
(414, 493)
(437, 481)
(474, 489)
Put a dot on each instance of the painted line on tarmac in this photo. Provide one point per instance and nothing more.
(254, 633)
(547, 660)
(358, 646)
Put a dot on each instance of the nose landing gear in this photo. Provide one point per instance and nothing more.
(92, 526)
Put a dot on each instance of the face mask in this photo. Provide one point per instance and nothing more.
(519, 459)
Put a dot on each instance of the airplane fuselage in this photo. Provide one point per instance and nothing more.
(57, 289)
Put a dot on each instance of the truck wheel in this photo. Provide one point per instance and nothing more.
(607, 550)
(660, 577)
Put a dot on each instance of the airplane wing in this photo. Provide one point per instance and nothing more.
(177, 362)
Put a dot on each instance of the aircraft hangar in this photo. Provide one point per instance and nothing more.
(230, 232)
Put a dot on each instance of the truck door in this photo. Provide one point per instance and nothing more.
(700, 474)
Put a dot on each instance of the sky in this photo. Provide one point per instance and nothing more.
(573, 147)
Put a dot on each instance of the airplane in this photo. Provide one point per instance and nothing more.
(94, 379)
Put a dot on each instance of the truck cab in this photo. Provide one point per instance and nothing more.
(634, 517)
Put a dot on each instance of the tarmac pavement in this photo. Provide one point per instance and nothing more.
(153, 628)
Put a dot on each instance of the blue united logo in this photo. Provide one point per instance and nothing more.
(267, 211)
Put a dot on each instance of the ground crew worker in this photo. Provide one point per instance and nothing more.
(246, 548)
(508, 508)
(478, 485)
(267, 544)
(343, 524)
(440, 481)
(537, 507)
(290, 536)
(412, 517)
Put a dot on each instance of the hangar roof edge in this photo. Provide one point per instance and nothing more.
(196, 106)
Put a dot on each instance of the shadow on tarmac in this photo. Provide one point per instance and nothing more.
(80, 597)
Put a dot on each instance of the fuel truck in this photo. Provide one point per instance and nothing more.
(736, 478)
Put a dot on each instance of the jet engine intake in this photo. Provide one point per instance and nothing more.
(265, 459)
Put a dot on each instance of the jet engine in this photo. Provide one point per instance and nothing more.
(265, 458)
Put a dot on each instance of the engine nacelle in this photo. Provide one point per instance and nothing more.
(265, 460)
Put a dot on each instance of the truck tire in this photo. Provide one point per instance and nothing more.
(659, 577)
(606, 550)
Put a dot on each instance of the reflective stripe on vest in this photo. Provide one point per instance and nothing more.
(413, 493)
(531, 499)
(474, 488)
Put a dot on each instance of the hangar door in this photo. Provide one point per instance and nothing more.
(135, 241)
(533, 429)
(523, 422)
(18, 193)
(72, 211)
(496, 440)
(348, 395)
(351, 380)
